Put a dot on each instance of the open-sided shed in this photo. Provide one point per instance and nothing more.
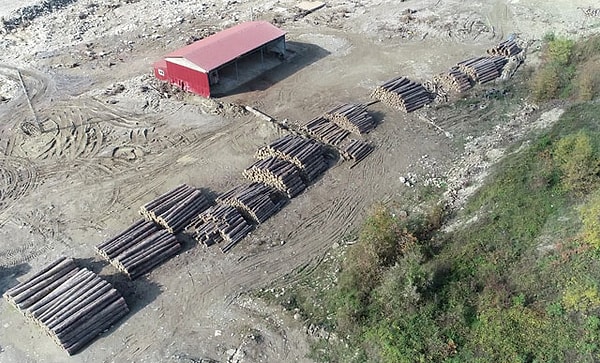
(197, 67)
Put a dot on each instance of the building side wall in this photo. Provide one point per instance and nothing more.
(188, 79)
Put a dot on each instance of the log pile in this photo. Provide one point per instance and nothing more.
(174, 209)
(305, 153)
(257, 201)
(507, 48)
(279, 174)
(356, 150)
(139, 248)
(483, 69)
(72, 305)
(402, 94)
(351, 117)
(220, 223)
(326, 131)
(453, 80)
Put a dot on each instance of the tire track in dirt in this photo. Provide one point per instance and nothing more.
(18, 177)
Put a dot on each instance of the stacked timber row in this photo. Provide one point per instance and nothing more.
(139, 248)
(326, 131)
(305, 153)
(220, 223)
(453, 80)
(351, 117)
(72, 305)
(356, 150)
(257, 201)
(279, 174)
(507, 48)
(402, 94)
(174, 209)
(483, 69)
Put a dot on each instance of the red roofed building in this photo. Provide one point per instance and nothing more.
(201, 66)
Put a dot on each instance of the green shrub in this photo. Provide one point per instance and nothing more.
(590, 217)
(581, 296)
(578, 162)
(588, 80)
(560, 51)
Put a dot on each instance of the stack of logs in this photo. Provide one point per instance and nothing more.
(257, 201)
(356, 150)
(326, 131)
(279, 174)
(139, 248)
(174, 209)
(402, 94)
(507, 48)
(72, 305)
(351, 117)
(454, 80)
(305, 153)
(483, 69)
(220, 223)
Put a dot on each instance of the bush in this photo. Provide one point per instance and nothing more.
(578, 162)
(560, 51)
(588, 80)
(581, 296)
(590, 217)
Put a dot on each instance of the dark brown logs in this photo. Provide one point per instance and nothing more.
(351, 117)
(453, 80)
(140, 248)
(356, 150)
(305, 153)
(220, 223)
(72, 305)
(402, 94)
(279, 174)
(483, 69)
(506, 48)
(256, 201)
(326, 131)
(174, 209)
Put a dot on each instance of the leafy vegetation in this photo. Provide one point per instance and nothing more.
(569, 69)
(519, 283)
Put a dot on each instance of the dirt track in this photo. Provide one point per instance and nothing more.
(102, 154)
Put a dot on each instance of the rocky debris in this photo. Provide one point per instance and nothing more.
(29, 13)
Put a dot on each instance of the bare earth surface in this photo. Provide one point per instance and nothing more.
(106, 150)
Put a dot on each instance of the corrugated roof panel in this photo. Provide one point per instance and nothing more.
(214, 51)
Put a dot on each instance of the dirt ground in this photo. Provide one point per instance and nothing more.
(112, 141)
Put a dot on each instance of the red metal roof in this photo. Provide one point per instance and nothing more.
(214, 51)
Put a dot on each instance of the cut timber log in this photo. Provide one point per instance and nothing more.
(140, 248)
(257, 201)
(483, 69)
(220, 223)
(506, 48)
(351, 117)
(453, 81)
(402, 94)
(174, 209)
(72, 305)
(356, 150)
(305, 153)
(279, 174)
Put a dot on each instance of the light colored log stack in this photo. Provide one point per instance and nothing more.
(220, 223)
(139, 249)
(402, 94)
(305, 153)
(257, 201)
(483, 69)
(176, 208)
(279, 174)
(356, 150)
(454, 80)
(352, 117)
(326, 131)
(506, 48)
(72, 305)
